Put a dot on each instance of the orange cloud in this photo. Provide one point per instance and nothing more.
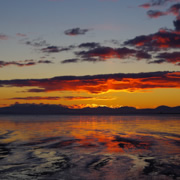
(100, 83)
(69, 98)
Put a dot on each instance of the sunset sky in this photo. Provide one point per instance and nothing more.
(90, 52)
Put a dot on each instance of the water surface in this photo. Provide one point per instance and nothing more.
(90, 147)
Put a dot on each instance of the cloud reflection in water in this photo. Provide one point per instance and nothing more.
(89, 147)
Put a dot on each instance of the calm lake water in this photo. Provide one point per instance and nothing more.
(90, 147)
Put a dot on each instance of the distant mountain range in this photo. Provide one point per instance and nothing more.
(59, 109)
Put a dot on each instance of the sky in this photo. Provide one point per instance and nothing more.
(89, 53)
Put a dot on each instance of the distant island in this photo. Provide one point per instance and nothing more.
(64, 110)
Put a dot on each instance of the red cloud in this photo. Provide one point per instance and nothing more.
(173, 58)
(161, 39)
(100, 83)
(174, 9)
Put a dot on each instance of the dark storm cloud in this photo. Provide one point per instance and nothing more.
(99, 83)
(76, 31)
